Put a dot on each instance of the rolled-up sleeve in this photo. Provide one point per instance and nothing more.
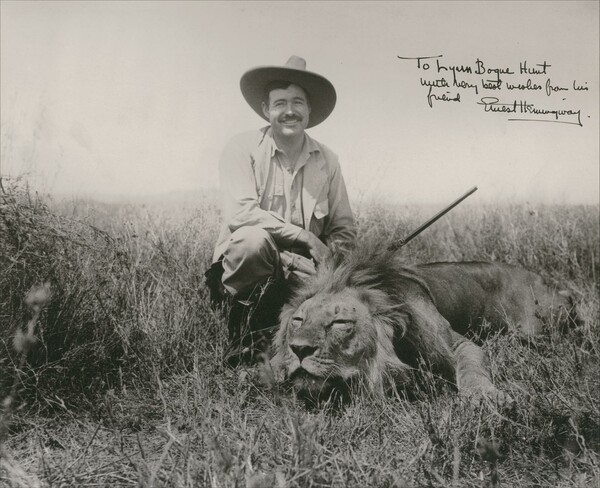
(240, 194)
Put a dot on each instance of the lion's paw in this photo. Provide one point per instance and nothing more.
(493, 396)
(500, 399)
(278, 368)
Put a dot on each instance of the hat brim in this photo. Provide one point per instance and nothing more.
(320, 91)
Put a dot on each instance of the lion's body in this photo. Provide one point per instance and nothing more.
(506, 296)
(371, 318)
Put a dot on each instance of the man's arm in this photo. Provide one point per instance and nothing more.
(340, 231)
(240, 197)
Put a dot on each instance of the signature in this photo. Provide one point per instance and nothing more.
(561, 116)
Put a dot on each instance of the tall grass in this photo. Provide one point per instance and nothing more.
(125, 384)
(124, 296)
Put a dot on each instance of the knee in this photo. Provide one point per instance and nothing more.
(249, 240)
(250, 236)
(249, 243)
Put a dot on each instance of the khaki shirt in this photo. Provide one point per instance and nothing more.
(256, 190)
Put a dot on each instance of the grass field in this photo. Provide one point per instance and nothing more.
(112, 375)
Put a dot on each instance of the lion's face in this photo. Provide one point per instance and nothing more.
(333, 338)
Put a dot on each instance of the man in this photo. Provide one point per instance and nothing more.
(285, 205)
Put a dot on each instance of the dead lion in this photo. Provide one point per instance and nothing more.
(372, 319)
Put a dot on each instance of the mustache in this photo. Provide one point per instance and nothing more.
(290, 118)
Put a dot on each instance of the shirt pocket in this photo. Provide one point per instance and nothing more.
(321, 208)
(321, 211)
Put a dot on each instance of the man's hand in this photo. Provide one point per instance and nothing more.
(318, 251)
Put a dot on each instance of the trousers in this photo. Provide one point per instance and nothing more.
(252, 257)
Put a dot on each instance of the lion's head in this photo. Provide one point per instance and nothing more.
(341, 326)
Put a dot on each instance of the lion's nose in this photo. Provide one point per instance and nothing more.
(303, 350)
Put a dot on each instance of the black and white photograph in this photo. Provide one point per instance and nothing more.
(299, 244)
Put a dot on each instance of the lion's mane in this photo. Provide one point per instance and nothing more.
(378, 276)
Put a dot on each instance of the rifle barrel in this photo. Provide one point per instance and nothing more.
(398, 244)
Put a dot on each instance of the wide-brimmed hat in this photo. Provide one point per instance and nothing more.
(320, 91)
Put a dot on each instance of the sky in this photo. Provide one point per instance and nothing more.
(118, 99)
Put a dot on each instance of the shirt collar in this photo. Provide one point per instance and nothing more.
(309, 147)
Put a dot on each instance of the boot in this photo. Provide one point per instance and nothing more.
(252, 321)
(239, 350)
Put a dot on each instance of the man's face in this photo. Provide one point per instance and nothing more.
(288, 111)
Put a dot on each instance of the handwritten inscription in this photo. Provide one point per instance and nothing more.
(542, 96)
